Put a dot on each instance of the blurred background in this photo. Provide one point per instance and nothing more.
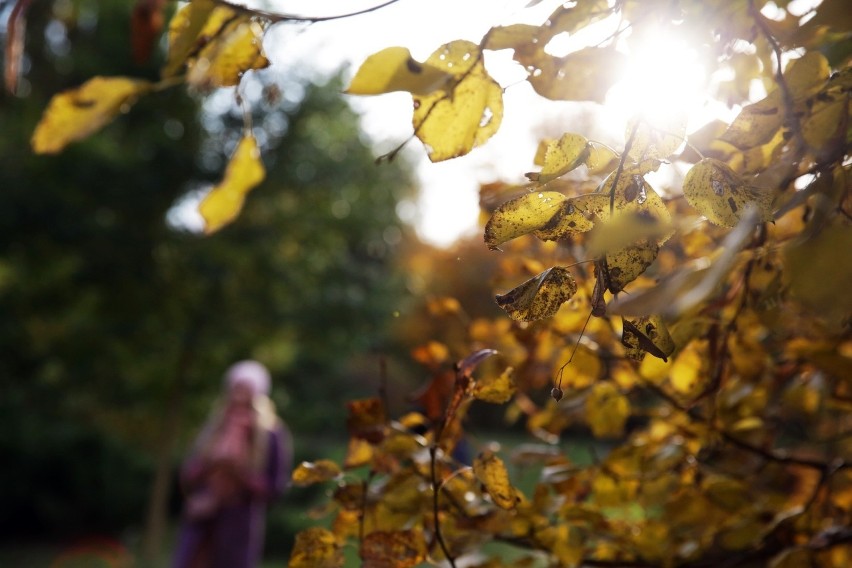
(118, 318)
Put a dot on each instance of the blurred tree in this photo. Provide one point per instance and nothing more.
(119, 323)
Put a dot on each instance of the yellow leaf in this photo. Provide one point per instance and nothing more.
(601, 159)
(235, 49)
(539, 297)
(577, 215)
(648, 334)
(656, 141)
(807, 75)
(497, 390)
(75, 114)
(689, 374)
(491, 472)
(184, 30)
(225, 201)
(561, 157)
(309, 473)
(826, 122)
(757, 123)
(584, 370)
(721, 195)
(818, 277)
(453, 121)
(564, 542)
(607, 410)
(393, 549)
(625, 229)
(358, 453)
(393, 69)
(316, 547)
(624, 265)
(516, 36)
(522, 215)
(584, 75)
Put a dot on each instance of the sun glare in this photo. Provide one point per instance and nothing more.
(663, 78)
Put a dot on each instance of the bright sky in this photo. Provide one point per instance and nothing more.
(448, 204)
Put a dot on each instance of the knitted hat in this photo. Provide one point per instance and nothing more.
(250, 373)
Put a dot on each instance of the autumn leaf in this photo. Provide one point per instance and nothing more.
(521, 216)
(721, 195)
(490, 470)
(184, 31)
(75, 114)
(497, 390)
(562, 156)
(366, 419)
(310, 473)
(316, 547)
(393, 549)
(548, 215)
(648, 334)
(655, 141)
(539, 297)
(607, 410)
(576, 76)
(393, 69)
(225, 201)
(452, 121)
(237, 48)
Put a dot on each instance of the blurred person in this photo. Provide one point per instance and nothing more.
(240, 461)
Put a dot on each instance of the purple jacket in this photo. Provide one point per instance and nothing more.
(233, 536)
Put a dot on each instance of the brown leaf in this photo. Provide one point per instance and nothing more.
(393, 549)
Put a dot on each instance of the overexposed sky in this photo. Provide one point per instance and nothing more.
(448, 204)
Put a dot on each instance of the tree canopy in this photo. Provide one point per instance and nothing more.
(698, 327)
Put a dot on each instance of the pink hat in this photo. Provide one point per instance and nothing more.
(250, 373)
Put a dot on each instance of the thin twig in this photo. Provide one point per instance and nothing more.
(276, 17)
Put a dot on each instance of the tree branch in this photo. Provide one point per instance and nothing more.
(276, 17)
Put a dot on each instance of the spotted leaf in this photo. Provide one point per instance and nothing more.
(722, 195)
(539, 297)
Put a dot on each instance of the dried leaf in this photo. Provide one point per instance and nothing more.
(316, 547)
(625, 265)
(225, 201)
(539, 297)
(310, 473)
(452, 122)
(648, 334)
(491, 472)
(607, 410)
(393, 549)
(366, 419)
(393, 69)
(722, 196)
(75, 114)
